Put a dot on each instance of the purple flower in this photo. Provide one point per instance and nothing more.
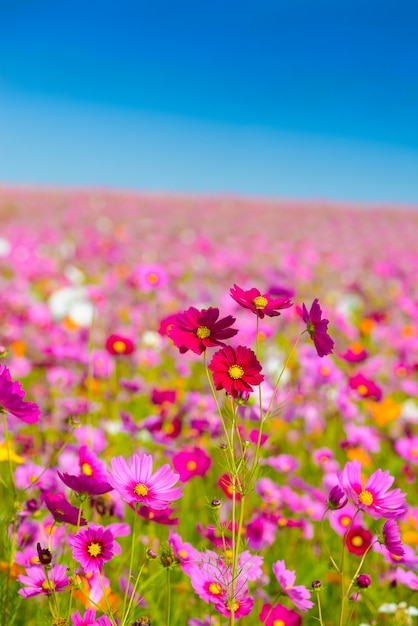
(392, 537)
(62, 510)
(85, 484)
(317, 328)
(374, 497)
(11, 399)
(299, 595)
(363, 581)
(337, 498)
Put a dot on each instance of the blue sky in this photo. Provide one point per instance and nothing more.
(274, 98)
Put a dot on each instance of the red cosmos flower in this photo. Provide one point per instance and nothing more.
(118, 345)
(11, 399)
(260, 304)
(358, 540)
(197, 330)
(317, 328)
(235, 370)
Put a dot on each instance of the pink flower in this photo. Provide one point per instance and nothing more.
(235, 370)
(299, 595)
(279, 614)
(36, 582)
(191, 462)
(11, 399)
(62, 510)
(374, 497)
(119, 346)
(260, 304)
(85, 484)
(197, 330)
(89, 619)
(365, 388)
(392, 538)
(317, 328)
(92, 547)
(137, 483)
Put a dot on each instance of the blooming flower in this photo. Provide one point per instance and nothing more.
(365, 387)
(299, 595)
(392, 537)
(85, 484)
(317, 328)
(92, 547)
(260, 304)
(374, 497)
(190, 462)
(11, 399)
(37, 583)
(137, 483)
(89, 619)
(118, 345)
(358, 540)
(197, 330)
(235, 370)
(62, 510)
(279, 615)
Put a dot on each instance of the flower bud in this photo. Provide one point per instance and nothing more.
(44, 555)
(337, 498)
(216, 503)
(151, 554)
(316, 584)
(363, 581)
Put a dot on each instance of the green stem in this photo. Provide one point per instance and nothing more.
(168, 598)
(343, 596)
(131, 599)
(131, 560)
(325, 543)
(106, 599)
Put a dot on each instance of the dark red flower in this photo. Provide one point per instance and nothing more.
(197, 330)
(358, 540)
(317, 328)
(118, 345)
(235, 370)
(258, 303)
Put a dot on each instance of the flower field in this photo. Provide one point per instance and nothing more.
(209, 411)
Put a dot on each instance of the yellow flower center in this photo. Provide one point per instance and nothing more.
(87, 469)
(357, 541)
(345, 520)
(183, 554)
(365, 497)
(279, 622)
(48, 585)
(141, 490)
(191, 465)
(152, 279)
(94, 549)
(362, 389)
(260, 302)
(234, 606)
(235, 372)
(203, 332)
(119, 346)
(215, 589)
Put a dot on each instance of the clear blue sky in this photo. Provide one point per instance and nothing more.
(295, 98)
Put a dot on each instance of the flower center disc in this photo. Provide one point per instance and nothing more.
(94, 549)
(119, 346)
(48, 585)
(260, 302)
(279, 622)
(365, 497)
(235, 372)
(203, 332)
(215, 589)
(141, 490)
(87, 469)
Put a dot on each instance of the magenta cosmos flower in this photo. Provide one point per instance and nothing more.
(235, 370)
(298, 594)
(197, 330)
(137, 483)
(11, 399)
(392, 538)
(119, 346)
(280, 615)
(374, 497)
(258, 303)
(36, 582)
(92, 547)
(317, 328)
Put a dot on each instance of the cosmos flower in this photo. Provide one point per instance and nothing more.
(260, 304)
(190, 462)
(358, 540)
(299, 595)
(85, 484)
(374, 497)
(11, 399)
(235, 370)
(92, 547)
(279, 614)
(37, 583)
(197, 330)
(317, 328)
(119, 346)
(365, 387)
(137, 484)
(392, 537)
(89, 619)
(62, 510)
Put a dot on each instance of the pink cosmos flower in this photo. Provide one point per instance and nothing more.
(235, 370)
(279, 614)
(11, 399)
(299, 595)
(190, 462)
(317, 328)
(392, 537)
(137, 483)
(92, 547)
(374, 497)
(36, 582)
(197, 330)
(365, 387)
(89, 619)
(260, 304)
(119, 346)
(407, 448)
